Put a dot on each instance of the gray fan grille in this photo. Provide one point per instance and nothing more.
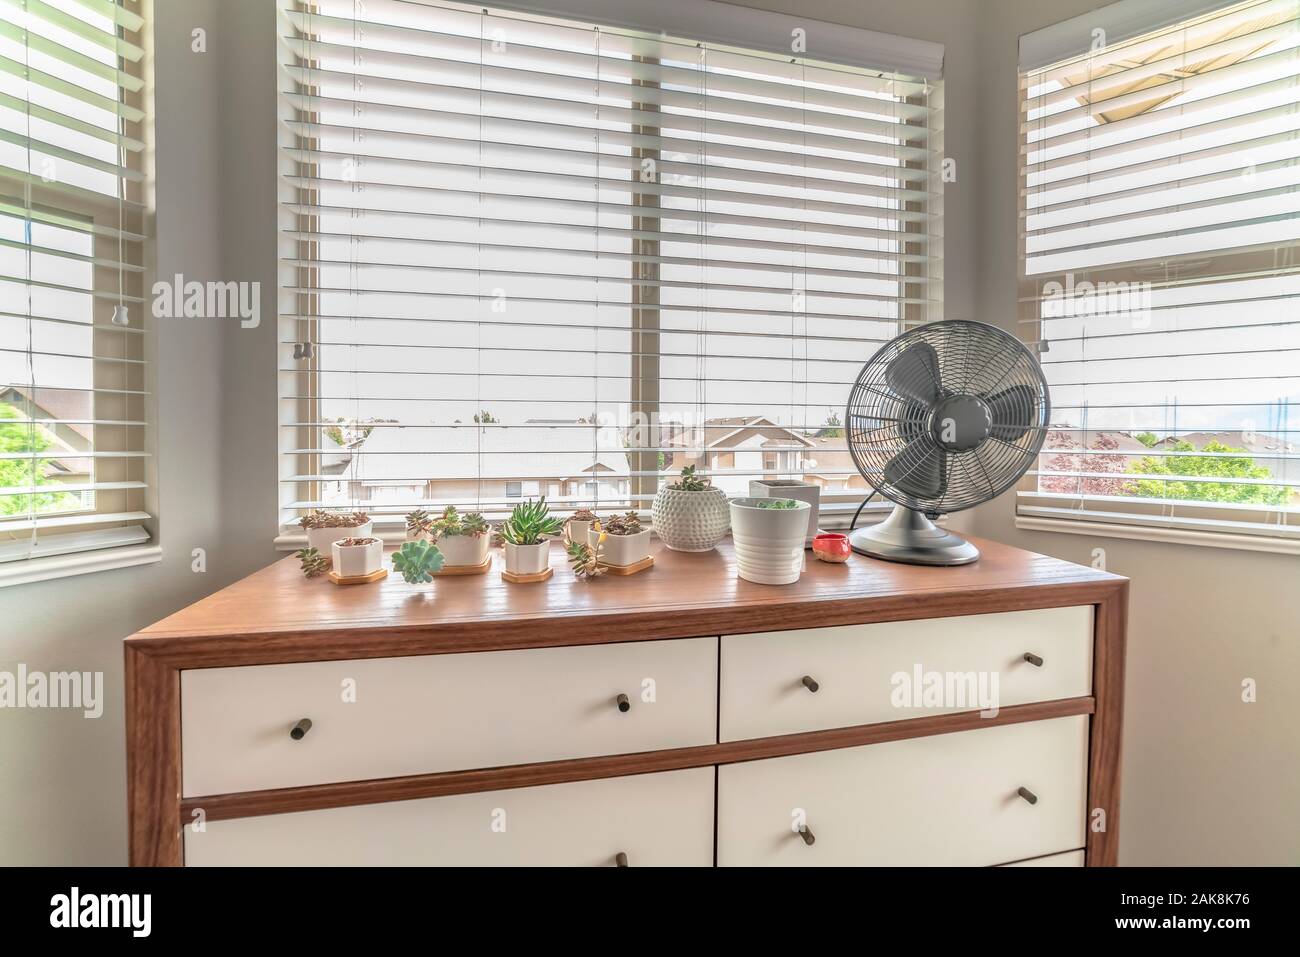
(889, 418)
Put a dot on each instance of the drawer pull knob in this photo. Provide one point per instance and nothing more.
(807, 835)
(623, 704)
(810, 683)
(1033, 659)
(620, 859)
(1028, 795)
(300, 729)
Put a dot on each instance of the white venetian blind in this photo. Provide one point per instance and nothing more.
(527, 256)
(72, 442)
(1159, 237)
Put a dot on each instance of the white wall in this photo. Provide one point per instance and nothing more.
(1206, 779)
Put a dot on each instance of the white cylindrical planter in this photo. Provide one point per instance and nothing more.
(323, 539)
(622, 549)
(356, 560)
(528, 559)
(690, 521)
(577, 529)
(768, 541)
(464, 549)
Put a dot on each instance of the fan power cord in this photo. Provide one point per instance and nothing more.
(856, 515)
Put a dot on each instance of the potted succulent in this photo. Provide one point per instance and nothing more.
(418, 562)
(419, 526)
(579, 524)
(524, 533)
(690, 515)
(768, 534)
(325, 528)
(463, 539)
(625, 540)
(356, 557)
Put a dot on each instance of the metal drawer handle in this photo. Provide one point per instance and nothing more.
(299, 730)
(1028, 795)
(1033, 659)
(623, 704)
(807, 835)
(810, 683)
(620, 859)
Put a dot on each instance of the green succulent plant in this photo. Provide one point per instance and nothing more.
(452, 523)
(690, 481)
(584, 559)
(629, 523)
(529, 523)
(778, 503)
(418, 562)
(419, 522)
(313, 562)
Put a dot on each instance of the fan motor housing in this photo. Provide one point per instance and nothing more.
(961, 422)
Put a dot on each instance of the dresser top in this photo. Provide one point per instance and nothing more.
(277, 615)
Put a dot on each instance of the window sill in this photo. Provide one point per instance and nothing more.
(29, 570)
(1172, 536)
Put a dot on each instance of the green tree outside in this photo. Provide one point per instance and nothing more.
(1215, 466)
(17, 436)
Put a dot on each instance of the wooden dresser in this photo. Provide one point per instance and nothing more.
(676, 717)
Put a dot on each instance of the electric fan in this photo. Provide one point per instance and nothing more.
(944, 417)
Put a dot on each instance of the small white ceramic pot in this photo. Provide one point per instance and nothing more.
(622, 549)
(528, 559)
(690, 521)
(354, 560)
(577, 529)
(323, 539)
(768, 541)
(465, 549)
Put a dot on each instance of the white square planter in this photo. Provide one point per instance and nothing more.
(464, 549)
(622, 549)
(528, 559)
(355, 560)
(323, 539)
(799, 491)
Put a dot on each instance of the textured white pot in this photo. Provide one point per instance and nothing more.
(357, 559)
(690, 521)
(769, 541)
(464, 549)
(528, 559)
(323, 539)
(622, 549)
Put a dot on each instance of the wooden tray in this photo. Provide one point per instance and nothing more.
(525, 579)
(374, 576)
(632, 569)
(466, 569)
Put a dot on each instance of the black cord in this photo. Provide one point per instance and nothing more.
(854, 524)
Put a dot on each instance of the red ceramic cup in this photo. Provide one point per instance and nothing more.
(832, 547)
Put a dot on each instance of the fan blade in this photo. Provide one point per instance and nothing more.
(914, 373)
(1012, 412)
(919, 470)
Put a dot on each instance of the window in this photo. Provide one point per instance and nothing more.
(1160, 278)
(72, 379)
(532, 255)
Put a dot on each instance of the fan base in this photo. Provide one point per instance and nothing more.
(911, 538)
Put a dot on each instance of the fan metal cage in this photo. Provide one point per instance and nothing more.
(947, 415)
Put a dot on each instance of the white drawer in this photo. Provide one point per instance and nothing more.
(855, 666)
(655, 819)
(1066, 859)
(950, 799)
(441, 712)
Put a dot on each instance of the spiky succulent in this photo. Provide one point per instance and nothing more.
(452, 523)
(318, 518)
(583, 515)
(629, 523)
(313, 562)
(529, 523)
(584, 559)
(778, 503)
(419, 522)
(690, 481)
(418, 562)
